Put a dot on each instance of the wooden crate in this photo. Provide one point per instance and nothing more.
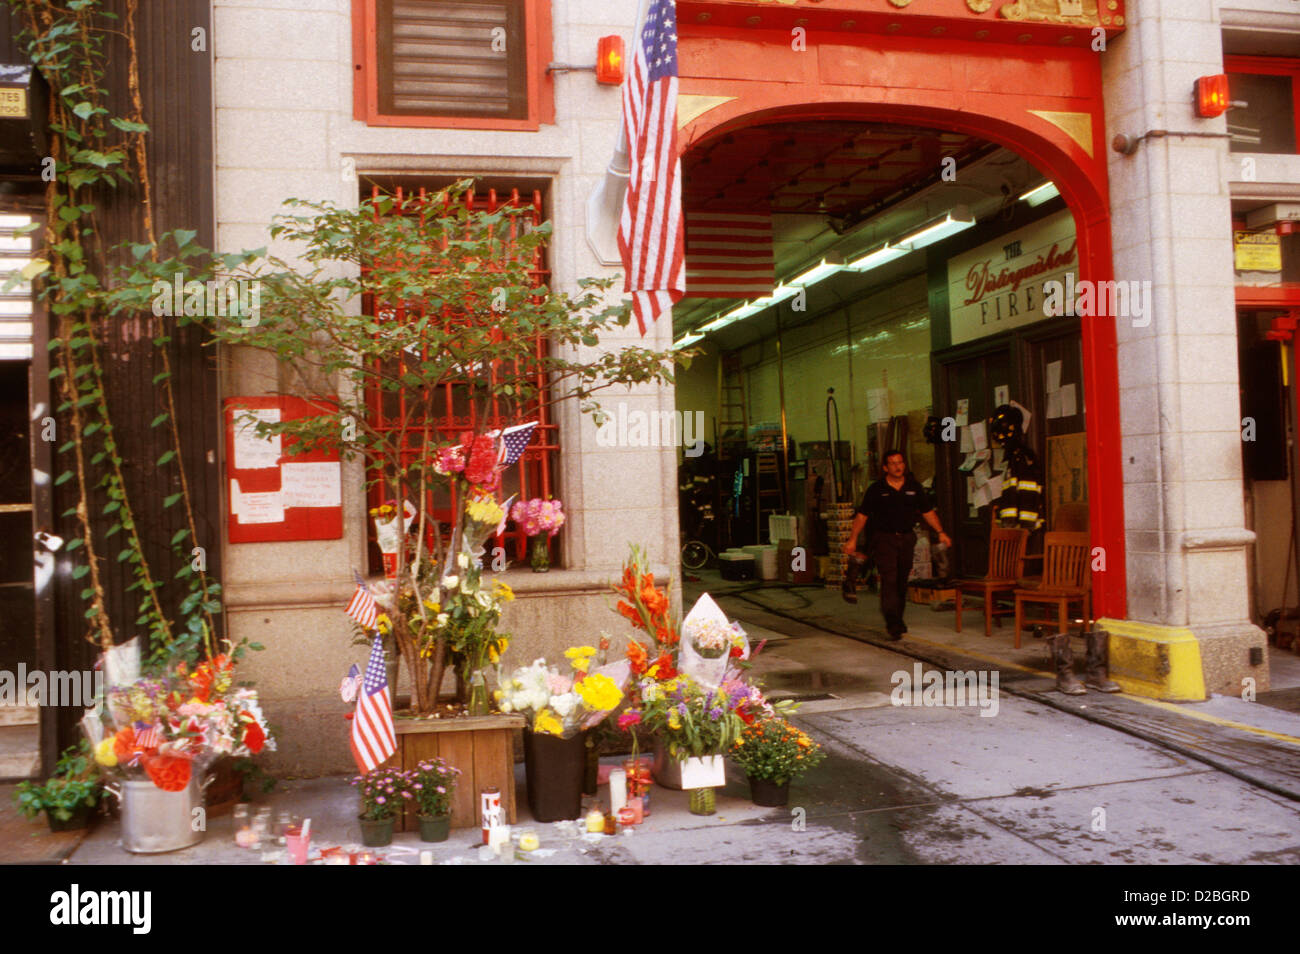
(927, 594)
(482, 748)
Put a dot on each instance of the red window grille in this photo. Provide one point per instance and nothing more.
(453, 414)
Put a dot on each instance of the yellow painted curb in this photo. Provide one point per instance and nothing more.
(1160, 662)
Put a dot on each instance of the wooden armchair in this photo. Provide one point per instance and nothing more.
(1065, 580)
(1006, 559)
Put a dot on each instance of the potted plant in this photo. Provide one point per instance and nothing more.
(772, 752)
(385, 792)
(433, 784)
(70, 796)
(558, 709)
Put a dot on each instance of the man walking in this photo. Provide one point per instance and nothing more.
(890, 509)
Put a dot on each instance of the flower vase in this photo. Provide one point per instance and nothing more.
(376, 832)
(768, 793)
(478, 695)
(434, 827)
(703, 801)
(591, 770)
(554, 769)
(539, 553)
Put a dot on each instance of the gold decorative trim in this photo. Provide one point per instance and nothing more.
(1078, 126)
(691, 106)
(1067, 12)
(979, 6)
(900, 3)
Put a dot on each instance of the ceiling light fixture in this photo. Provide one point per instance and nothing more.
(881, 256)
(958, 220)
(823, 269)
(1040, 194)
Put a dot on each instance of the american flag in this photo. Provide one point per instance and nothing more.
(650, 234)
(729, 255)
(348, 687)
(514, 440)
(147, 735)
(373, 736)
(362, 607)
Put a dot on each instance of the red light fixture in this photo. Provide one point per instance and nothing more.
(609, 60)
(1212, 96)
(1287, 227)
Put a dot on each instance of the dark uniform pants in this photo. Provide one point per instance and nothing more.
(893, 555)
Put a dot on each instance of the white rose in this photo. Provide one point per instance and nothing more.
(450, 582)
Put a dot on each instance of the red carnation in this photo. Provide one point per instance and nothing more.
(254, 737)
(171, 773)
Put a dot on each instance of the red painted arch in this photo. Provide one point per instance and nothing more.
(987, 90)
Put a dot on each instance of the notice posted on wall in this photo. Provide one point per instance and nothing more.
(311, 484)
(253, 452)
(256, 508)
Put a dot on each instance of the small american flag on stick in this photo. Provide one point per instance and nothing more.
(362, 606)
(514, 440)
(374, 738)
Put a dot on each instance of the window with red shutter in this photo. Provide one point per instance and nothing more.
(478, 64)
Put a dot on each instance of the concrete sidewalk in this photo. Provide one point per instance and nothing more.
(1251, 740)
(1213, 782)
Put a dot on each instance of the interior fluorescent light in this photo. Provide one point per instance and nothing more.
(688, 340)
(955, 221)
(886, 253)
(815, 274)
(779, 294)
(1041, 194)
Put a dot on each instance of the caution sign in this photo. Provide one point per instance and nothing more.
(13, 102)
(1257, 251)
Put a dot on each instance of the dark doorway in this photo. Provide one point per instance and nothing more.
(17, 594)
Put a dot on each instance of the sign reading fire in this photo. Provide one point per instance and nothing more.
(999, 285)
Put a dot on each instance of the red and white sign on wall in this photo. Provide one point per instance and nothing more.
(274, 494)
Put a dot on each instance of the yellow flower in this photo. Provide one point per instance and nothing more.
(574, 652)
(484, 510)
(600, 693)
(104, 753)
(383, 623)
(673, 721)
(503, 592)
(496, 648)
(579, 664)
(547, 724)
(432, 606)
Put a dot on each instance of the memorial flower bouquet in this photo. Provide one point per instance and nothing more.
(561, 704)
(168, 727)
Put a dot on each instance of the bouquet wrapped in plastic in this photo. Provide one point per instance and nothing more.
(170, 726)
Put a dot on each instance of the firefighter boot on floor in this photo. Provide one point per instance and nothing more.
(851, 573)
(1063, 659)
(1096, 674)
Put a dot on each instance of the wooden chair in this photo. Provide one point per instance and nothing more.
(1065, 580)
(1006, 559)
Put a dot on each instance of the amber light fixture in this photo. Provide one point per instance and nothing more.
(1212, 96)
(609, 60)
